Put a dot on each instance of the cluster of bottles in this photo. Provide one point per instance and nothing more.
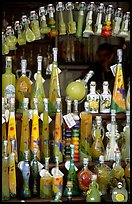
(108, 23)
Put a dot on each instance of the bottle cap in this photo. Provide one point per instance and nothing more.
(119, 185)
(71, 146)
(85, 160)
(39, 58)
(3, 101)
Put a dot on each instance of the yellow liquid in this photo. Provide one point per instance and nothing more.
(21, 39)
(30, 37)
(46, 187)
(8, 80)
(35, 29)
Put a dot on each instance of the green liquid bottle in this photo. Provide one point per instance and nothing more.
(5, 48)
(72, 175)
(44, 29)
(81, 8)
(21, 38)
(62, 27)
(35, 25)
(30, 37)
(11, 39)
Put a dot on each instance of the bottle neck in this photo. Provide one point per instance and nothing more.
(8, 66)
(46, 107)
(5, 149)
(92, 89)
(39, 66)
(68, 107)
(47, 164)
(76, 107)
(88, 76)
(72, 157)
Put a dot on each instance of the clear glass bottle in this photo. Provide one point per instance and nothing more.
(81, 8)
(44, 29)
(93, 98)
(124, 31)
(117, 21)
(86, 133)
(72, 175)
(23, 84)
(105, 99)
(21, 38)
(11, 39)
(98, 25)
(34, 23)
(93, 194)
(84, 177)
(25, 192)
(5, 48)
(51, 21)
(38, 89)
(25, 131)
(62, 27)
(30, 36)
(45, 181)
(71, 26)
(54, 90)
(8, 80)
(119, 193)
(35, 178)
(98, 135)
(5, 173)
(119, 98)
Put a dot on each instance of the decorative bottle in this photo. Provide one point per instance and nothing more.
(84, 177)
(119, 193)
(98, 25)
(11, 39)
(51, 21)
(117, 21)
(38, 90)
(105, 99)
(124, 31)
(93, 98)
(54, 90)
(30, 36)
(62, 27)
(5, 48)
(23, 84)
(71, 25)
(44, 29)
(21, 38)
(34, 23)
(81, 8)
(119, 99)
(98, 135)
(72, 175)
(86, 133)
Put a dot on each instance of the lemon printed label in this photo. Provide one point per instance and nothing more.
(120, 197)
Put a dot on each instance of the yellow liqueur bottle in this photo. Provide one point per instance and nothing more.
(34, 23)
(8, 80)
(5, 48)
(23, 84)
(11, 39)
(21, 38)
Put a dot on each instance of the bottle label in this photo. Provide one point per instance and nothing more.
(120, 197)
(9, 92)
(58, 185)
(93, 101)
(105, 103)
(69, 120)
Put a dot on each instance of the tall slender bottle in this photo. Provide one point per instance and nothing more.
(5, 173)
(98, 135)
(35, 138)
(35, 178)
(25, 131)
(81, 9)
(119, 99)
(12, 129)
(72, 175)
(98, 25)
(8, 80)
(45, 181)
(12, 171)
(75, 132)
(62, 27)
(45, 150)
(71, 25)
(105, 99)
(86, 133)
(34, 23)
(23, 84)
(58, 132)
(54, 90)
(117, 22)
(38, 90)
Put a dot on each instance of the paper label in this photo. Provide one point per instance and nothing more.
(67, 166)
(9, 92)
(69, 120)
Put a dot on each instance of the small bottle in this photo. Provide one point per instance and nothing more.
(44, 29)
(5, 48)
(81, 8)
(105, 99)
(93, 98)
(119, 193)
(117, 21)
(21, 38)
(71, 26)
(11, 39)
(51, 22)
(84, 177)
(98, 25)
(62, 27)
(124, 32)
(30, 36)
(34, 23)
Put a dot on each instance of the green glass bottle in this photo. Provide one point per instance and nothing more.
(35, 25)
(5, 48)
(72, 175)
(21, 38)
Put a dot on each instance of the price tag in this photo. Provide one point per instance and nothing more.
(69, 120)
(35, 75)
(67, 166)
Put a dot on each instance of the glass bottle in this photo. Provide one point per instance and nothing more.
(34, 23)
(119, 99)
(45, 181)
(127, 174)
(11, 39)
(81, 8)
(113, 135)
(104, 176)
(128, 97)
(105, 99)
(5, 48)
(12, 129)
(38, 90)
(117, 171)
(23, 84)
(93, 194)
(21, 38)
(93, 98)
(58, 132)
(8, 80)
(62, 27)
(86, 133)
(77, 90)
(89, 20)
(71, 25)
(57, 180)
(35, 137)
(51, 21)
(72, 175)
(76, 132)
(98, 135)
(119, 193)
(45, 149)
(25, 192)
(44, 29)
(124, 31)
(54, 90)
(5, 173)
(25, 131)
(35, 178)
(12, 171)
(84, 177)
(117, 21)
(30, 36)
(98, 25)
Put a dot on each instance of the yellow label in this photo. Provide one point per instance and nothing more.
(120, 197)
(57, 185)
